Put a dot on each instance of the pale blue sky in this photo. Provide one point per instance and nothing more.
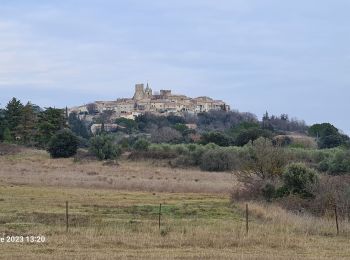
(282, 56)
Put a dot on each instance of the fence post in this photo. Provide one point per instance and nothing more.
(246, 218)
(336, 217)
(67, 216)
(160, 212)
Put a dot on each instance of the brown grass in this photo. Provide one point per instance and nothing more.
(37, 168)
(10, 149)
(119, 219)
(114, 225)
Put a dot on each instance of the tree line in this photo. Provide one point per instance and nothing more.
(31, 125)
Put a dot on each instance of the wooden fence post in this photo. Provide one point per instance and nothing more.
(67, 216)
(336, 218)
(246, 218)
(160, 212)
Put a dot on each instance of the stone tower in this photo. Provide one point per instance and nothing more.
(139, 92)
(148, 92)
(165, 93)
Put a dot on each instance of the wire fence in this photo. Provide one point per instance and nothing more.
(30, 212)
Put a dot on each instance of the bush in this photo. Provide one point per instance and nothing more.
(63, 144)
(141, 145)
(216, 137)
(336, 164)
(220, 159)
(166, 135)
(268, 191)
(155, 151)
(299, 179)
(340, 163)
(331, 191)
(265, 161)
(330, 141)
(249, 135)
(103, 147)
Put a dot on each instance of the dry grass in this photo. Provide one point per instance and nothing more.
(107, 225)
(303, 141)
(36, 168)
(114, 216)
(10, 149)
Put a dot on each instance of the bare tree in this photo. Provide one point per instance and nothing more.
(165, 135)
(265, 161)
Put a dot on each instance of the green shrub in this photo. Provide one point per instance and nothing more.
(299, 179)
(269, 191)
(181, 149)
(155, 151)
(141, 145)
(219, 159)
(7, 136)
(281, 192)
(103, 147)
(336, 164)
(250, 135)
(216, 137)
(63, 144)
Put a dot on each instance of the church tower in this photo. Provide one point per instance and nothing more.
(148, 92)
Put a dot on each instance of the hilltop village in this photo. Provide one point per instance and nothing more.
(145, 100)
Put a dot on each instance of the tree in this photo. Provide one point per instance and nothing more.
(324, 129)
(105, 117)
(50, 121)
(148, 122)
(77, 125)
(216, 137)
(63, 144)
(265, 161)
(7, 136)
(173, 119)
(27, 126)
(129, 124)
(182, 128)
(283, 123)
(166, 135)
(250, 135)
(266, 122)
(3, 124)
(330, 141)
(218, 159)
(13, 115)
(221, 120)
(103, 147)
(299, 179)
(328, 135)
(247, 132)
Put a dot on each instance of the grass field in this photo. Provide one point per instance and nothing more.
(33, 167)
(114, 223)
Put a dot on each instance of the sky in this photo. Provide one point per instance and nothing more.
(257, 55)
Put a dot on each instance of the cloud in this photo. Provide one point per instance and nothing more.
(251, 53)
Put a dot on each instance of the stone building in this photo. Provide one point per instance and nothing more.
(145, 100)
